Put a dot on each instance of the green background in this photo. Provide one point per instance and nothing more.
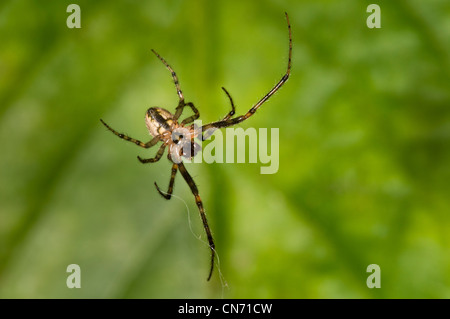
(364, 150)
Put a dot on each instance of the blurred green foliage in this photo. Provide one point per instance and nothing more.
(364, 150)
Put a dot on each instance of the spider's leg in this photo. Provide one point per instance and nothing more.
(198, 200)
(181, 103)
(239, 119)
(149, 144)
(153, 159)
(233, 109)
(168, 195)
(193, 117)
(230, 114)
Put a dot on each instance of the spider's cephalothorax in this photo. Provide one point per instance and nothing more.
(178, 138)
(164, 127)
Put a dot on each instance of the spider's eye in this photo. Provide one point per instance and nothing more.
(177, 137)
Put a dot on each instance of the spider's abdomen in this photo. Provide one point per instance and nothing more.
(158, 121)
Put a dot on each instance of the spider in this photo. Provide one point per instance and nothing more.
(165, 127)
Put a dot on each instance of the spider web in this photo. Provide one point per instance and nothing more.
(223, 282)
